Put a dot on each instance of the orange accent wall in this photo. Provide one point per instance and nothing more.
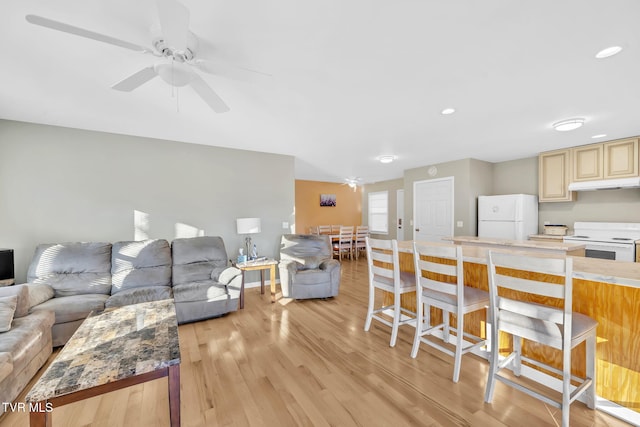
(348, 209)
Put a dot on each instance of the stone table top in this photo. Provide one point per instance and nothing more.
(112, 345)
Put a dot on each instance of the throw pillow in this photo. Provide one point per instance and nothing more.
(7, 308)
(228, 275)
(215, 273)
(39, 293)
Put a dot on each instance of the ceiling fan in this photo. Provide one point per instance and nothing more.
(176, 44)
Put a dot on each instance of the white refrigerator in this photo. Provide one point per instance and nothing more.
(510, 216)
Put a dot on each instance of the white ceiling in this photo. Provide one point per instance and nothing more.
(348, 79)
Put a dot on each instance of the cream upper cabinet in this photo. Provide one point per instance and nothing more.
(553, 176)
(588, 163)
(609, 160)
(621, 158)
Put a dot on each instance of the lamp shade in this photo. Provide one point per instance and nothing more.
(248, 225)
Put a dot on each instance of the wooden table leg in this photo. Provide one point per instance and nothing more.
(272, 279)
(242, 291)
(262, 282)
(174, 395)
(40, 418)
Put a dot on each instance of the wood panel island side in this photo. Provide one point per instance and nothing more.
(608, 291)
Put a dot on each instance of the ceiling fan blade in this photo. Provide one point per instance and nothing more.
(220, 68)
(135, 80)
(66, 28)
(208, 95)
(174, 20)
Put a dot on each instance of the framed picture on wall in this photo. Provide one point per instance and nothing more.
(327, 200)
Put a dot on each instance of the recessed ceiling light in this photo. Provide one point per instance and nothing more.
(448, 111)
(387, 158)
(600, 135)
(610, 51)
(569, 124)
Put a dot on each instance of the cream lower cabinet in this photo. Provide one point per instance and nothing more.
(553, 176)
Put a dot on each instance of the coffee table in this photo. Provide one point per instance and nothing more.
(112, 349)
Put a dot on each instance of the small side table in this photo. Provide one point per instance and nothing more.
(266, 264)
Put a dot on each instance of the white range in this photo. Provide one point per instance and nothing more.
(607, 240)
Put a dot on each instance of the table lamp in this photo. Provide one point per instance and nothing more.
(248, 226)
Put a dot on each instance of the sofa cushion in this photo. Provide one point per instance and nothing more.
(76, 307)
(72, 268)
(6, 366)
(27, 336)
(307, 250)
(39, 293)
(225, 275)
(206, 290)
(195, 258)
(7, 309)
(142, 263)
(312, 277)
(22, 294)
(139, 295)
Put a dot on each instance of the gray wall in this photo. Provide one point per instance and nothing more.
(392, 187)
(474, 177)
(471, 179)
(60, 184)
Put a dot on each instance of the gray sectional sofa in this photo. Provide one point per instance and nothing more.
(69, 280)
(97, 275)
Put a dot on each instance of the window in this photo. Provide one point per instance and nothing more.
(379, 212)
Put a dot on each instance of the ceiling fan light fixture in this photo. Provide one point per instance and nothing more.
(175, 73)
(386, 158)
(569, 124)
(608, 52)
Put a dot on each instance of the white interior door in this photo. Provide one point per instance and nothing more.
(433, 209)
(400, 215)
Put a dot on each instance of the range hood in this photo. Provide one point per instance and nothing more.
(605, 184)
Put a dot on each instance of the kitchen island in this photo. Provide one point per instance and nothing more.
(607, 291)
(555, 247)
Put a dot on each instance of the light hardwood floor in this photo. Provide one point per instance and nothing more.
(311, 363)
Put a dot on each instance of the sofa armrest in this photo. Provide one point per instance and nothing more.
(39, 293)
(329, 264)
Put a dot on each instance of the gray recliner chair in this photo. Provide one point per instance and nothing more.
(307, 267)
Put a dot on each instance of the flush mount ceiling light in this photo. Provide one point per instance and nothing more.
(569, 124)
(387, 158)
(600, 135)
(608, 52)
(448, 111)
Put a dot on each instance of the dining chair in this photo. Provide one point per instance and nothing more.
(359, 243)
(314, 230)
(528, 314)
(324, 229)
(335, 229)
(439, 271)
(384, 274)
(344, 244)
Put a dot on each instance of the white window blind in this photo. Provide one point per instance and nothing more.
(379, 212)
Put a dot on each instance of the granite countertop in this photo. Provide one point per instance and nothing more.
(553, 245)
(598, 270)
(113, 345)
